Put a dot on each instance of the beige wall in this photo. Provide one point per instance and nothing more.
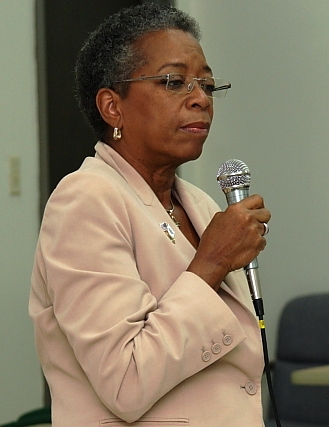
(276, 119)
(20, 377)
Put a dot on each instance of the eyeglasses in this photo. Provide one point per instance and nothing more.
(185, 83)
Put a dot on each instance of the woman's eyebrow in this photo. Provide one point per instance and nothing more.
(172, 64)
(181, 65)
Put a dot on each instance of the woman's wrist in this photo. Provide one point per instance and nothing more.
(213, 275)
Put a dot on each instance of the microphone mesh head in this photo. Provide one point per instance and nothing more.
(233, 174)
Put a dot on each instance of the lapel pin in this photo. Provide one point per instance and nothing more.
(168, 230)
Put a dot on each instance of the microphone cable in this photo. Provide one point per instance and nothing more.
(258, 304)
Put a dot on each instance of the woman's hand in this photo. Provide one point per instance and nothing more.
(231, 241)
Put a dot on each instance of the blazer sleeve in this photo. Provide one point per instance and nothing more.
(125, 340)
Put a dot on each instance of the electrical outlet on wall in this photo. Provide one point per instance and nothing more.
(14, 175)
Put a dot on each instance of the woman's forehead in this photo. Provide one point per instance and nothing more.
(172, 48)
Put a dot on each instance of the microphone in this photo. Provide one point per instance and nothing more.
(234, 179)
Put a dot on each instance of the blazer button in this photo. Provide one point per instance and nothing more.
(227, 339)
(206, 356)
(250, 388)
(216, 348)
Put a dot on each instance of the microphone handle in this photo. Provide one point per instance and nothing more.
(251, 269)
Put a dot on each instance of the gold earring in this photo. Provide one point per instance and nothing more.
(116, 134)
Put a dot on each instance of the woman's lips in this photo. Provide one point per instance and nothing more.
(197, 127)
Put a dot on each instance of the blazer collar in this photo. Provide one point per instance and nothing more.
(192, 204)
(131, 176)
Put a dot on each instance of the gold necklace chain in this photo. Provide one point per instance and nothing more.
(170, 212)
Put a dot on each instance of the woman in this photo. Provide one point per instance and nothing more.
(139, 312)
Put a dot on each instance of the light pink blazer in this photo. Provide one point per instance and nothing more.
(124, 334)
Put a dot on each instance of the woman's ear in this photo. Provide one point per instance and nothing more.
(107, 102)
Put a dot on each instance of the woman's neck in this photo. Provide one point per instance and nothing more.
(160, 178)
